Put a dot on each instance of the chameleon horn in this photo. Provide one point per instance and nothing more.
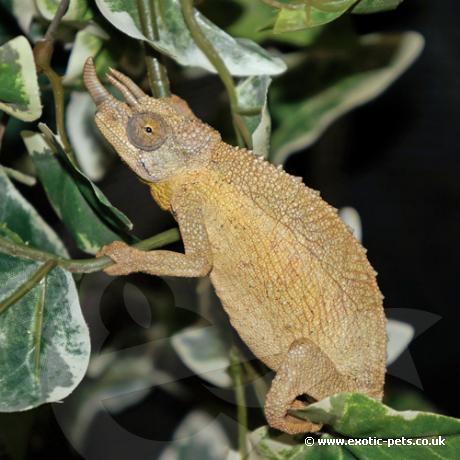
(92, 83)
(129, 98)
(127, 83)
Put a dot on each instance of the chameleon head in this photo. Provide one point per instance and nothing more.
(157, 138)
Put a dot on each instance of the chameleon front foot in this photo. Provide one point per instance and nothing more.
(124, 256)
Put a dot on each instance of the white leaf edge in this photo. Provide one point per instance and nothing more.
(197, 432)
(29, 78)
(400, 334)
(213, 370)
(257, 61)
(412, 44)
(91, 155)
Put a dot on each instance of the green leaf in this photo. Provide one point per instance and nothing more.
(256, 23)
(204, 352)
(252, 95)
(289, 20)
(19, 92)
(375, 6)
(23, 219)
(359, 416)
(89, 232)
(44, 341)
(78, 10)
(353, 416)
(242, 57)
(92, 193)
(333, 88)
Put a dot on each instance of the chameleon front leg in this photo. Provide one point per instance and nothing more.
(195, 262)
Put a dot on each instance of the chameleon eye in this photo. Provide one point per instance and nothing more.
(146, 131)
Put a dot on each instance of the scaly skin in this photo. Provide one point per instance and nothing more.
(295, 283)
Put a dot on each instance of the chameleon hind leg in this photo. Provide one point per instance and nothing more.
(306, 370)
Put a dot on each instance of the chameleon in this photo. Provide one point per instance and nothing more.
(295, 283)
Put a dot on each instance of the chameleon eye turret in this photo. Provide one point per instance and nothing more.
(146, 131)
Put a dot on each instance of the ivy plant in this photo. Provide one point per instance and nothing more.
(44, 339)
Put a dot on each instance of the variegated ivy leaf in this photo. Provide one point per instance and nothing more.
(265, 444)
(19, 92)
(375, 6)
(88, 42)
(22, 10)
(367, 72)
(399, 336)
(89, 232)
(313, 14)
(242, 57)
(358, 416)
(255, 23)
(252, 96)
(44, 341)
(88, 145)
(350, 216)
(204, 352)
(92, 193)
(78, 10)
(198, 437)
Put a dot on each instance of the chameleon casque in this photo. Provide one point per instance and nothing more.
(293, 280)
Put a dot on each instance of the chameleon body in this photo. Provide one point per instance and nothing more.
(293, 280)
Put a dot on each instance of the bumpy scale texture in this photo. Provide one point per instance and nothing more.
(293, 280)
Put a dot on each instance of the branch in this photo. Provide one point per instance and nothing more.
(92, 265)
(156, 71)
(43, 52)
(236, 372)
(52, 28)
(22, 290)
(214, 58)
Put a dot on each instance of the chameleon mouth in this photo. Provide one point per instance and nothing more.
(130, 91)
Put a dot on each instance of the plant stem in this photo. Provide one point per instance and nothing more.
(92, 265)
(58, 95)
(3, 122)
(52, 28)
(43, 52)
(156, 71)
(20, 176)
(236, 372)
(214, 58)
(28, 285)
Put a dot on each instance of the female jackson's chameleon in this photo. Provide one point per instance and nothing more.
(295, 283)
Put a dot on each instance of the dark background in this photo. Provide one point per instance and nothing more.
(397, 161)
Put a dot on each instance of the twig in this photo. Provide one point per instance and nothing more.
(43, 52)
(237, 376)
(20, 176)
(92, 265)
(3, 122)
(156, 71)
(52, 28)
(214, 58)
(28, 285)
